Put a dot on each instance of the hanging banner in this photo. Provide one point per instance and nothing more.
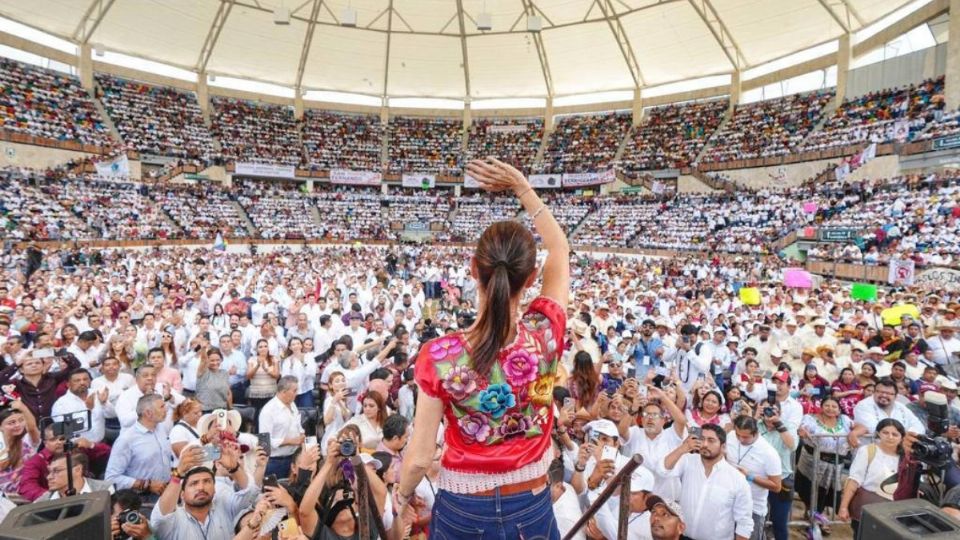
(588, 179)
(264, 169)
(901, 131)
(355, 178)
(901, 272)
(842, 171)
(507, 128)
(118, 168)
(470, 182)
(545, 180)
(658, 187)
(419, 180)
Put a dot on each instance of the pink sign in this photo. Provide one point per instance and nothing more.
(798, 278)
(810, 208)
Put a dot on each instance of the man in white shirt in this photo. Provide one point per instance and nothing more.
(146, 383)
(57, 477)
(689, 365)
(714, 495)
(281, 419)
(115, 383)
(653, 442)
(78, 399)
(882, 404)
(641, 483)
(715, 353)
(944, 346)
(87, 351)
(759, 463)
(791, 412)
(355, 331)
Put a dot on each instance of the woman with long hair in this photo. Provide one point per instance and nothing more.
(168, 347)
(868, 374)
(303, 367)
(21, 436)
(263, 371)
(117, 348)
(873, 467)
(707, 408)
(828, 429)
(335, 409)
(493, 382)
(220, 320)
(371, 420)
(584, 382)
(847, 390)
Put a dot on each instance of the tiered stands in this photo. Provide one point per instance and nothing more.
(425, 145)
(671, 136)
(585, 143)
(256, 132)
(343, 141)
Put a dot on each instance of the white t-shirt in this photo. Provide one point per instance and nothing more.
(759, 459)
(871, 476)
(652, 451)
(567, 511)
(180, 434)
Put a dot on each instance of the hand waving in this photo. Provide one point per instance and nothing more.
(495, 176)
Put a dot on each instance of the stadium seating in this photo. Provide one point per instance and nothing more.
(342, 141)
(672, 136)
(48, 104)
(279, 210)
(514, 141)
(201, 211)
(116, 210)
(475, 212)
(256, 132)
(33, 212)
(156, 119)
(585, 143)
(425, 145)
(351, 213)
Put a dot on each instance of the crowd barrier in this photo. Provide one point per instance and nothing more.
(22, 138)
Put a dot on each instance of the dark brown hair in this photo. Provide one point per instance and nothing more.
(506, 256)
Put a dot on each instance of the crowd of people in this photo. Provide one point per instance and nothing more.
(876, 116)
(156, 120)
(202, 211)
(770, 128)
(425, 145)
(48, 104)
(256, 132)
(342, 141)
(282, 361)
(516, 140)
(279, 210)
(585, 143)
(672, 136)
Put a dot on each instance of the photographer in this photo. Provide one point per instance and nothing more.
(126, 521)
(57, 477)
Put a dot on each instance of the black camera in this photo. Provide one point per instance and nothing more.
(769, 412)
(935, 452)
(129, 516)
(348, 448)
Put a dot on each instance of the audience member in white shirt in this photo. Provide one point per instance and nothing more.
(281, 419)
(146, 383)
(653, 442)
(715, 496)
(115, 383)
(759, 463)
(641, 483)
(882, 404)
(79, 399)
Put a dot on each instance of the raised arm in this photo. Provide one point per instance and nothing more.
(495, 176)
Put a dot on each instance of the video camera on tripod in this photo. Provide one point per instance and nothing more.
(68, 426)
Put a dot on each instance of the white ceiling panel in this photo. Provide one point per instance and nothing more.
(490, 76)
(346, 60)
(585, 58)
(250, 44)
(426, 66)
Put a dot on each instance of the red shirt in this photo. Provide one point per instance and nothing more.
(500, 422)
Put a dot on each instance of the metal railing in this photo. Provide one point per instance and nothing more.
(621, 482)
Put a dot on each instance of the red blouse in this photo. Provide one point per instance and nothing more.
(502, 422)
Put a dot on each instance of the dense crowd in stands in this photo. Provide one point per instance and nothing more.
(279, 210)
(775, 127)
(48, 104)
(156, 119)
(474, 213)
(256, 132)
(875, 117)
(29, 212)
(514, 141)
(115, 210)
(342, 141)
(672, 136)
(351, 213)
(201, 211)
(585, 143)
(425, 145)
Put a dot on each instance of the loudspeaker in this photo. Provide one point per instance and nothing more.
(82, 517)
(906, 520)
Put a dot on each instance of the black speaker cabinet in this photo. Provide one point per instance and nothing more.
(82, 517)
(906, 520)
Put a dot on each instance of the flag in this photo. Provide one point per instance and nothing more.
(220, 244)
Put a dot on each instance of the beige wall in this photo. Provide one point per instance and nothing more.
(690, 184)
(36, 157)
(778, 176)
(881, 167)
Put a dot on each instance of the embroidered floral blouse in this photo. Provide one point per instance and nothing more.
(497, 427)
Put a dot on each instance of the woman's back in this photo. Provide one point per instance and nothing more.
(498, 425)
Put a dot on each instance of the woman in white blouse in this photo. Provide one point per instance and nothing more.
(335, 409)
(304, 368)
(185, 429)
(371, 421)
(871, 467)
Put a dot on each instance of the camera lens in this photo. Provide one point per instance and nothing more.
(347, 448)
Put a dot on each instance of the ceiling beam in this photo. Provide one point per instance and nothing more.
(91, 20)
(214, 34)
(386, 57)
(307, 41)
(463, 50)
(530, 9)
(845, 24)
(620, 34)
(853, 11)
(721, 34)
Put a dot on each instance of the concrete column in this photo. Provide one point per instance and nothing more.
(384, 189)
(735, 88)
(203, 93)
(298, 105)
(85, 66)
(844, 59)
(637, 107)
(456, 191)
(309, 186)
(385, 111)
(548, 115)
(467, 116)
(953, 58)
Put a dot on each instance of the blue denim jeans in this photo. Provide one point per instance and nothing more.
(780, 508)
(524, 516)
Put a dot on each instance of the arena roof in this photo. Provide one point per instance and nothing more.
(432, 48)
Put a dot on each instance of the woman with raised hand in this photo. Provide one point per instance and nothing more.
(493, 382)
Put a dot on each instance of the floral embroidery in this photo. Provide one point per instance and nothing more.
(541, 390)
(513, 425)
(520, 367)
(460, 382)
(445, 347)
(475, 427)
(496, 399)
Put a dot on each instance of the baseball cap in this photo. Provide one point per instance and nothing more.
(782, 376)
(670, 506)
(604, 427)
(641, 480)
